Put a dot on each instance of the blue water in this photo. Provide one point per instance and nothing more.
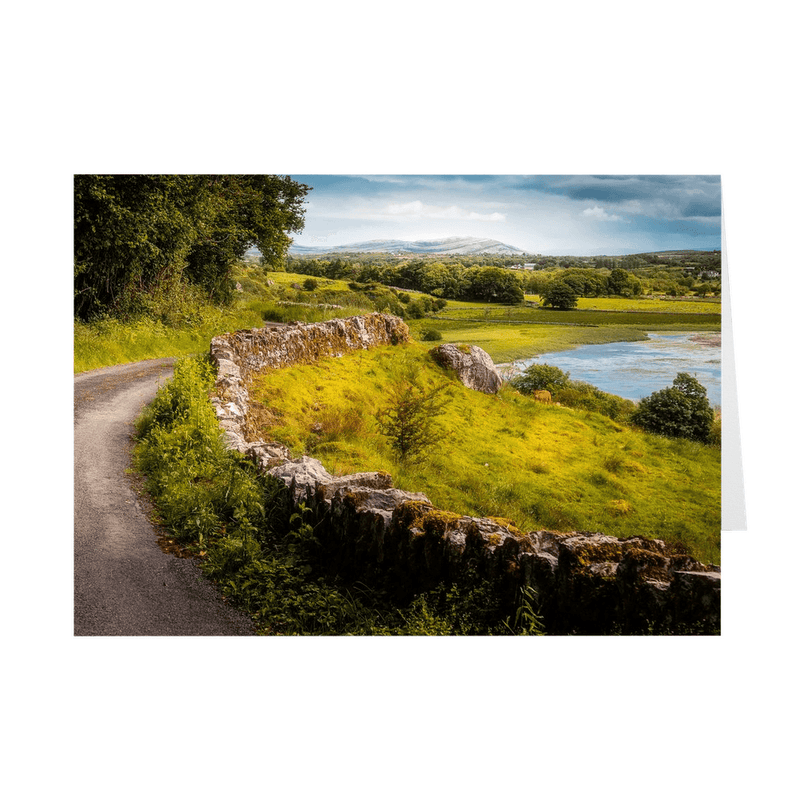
(637, 369)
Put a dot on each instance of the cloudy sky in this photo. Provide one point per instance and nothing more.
(551, 215)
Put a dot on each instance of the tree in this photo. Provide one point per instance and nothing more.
(135, 234)
(559, 295)
(132, 232)
(681, 410)
(621, 282)
(494, 285)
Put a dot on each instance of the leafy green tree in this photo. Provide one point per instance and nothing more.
(681, 410)
(132, 232)
(621, 282)
(559, 295)
(494, 285)
(137, 234)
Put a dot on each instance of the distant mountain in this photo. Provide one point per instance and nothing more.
(455, 245)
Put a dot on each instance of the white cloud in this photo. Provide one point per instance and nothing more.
(600, 213)
(416, 209)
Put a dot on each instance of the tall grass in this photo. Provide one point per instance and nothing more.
(107, 342)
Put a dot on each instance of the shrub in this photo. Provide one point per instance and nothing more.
(409, 419)
(431, 335)
(575, 394)
(681, 410)
(541, 376)
(579, 394)
(199, 486)
(715, 436)
(310, 284)
(414, 310)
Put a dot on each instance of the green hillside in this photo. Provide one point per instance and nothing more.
(542, 466)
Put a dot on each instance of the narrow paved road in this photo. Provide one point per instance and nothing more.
(124, 584)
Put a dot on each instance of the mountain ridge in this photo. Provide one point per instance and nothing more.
(457, 245)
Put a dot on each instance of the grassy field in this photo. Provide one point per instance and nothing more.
(507, 333)
(665, 306)
(506, 456)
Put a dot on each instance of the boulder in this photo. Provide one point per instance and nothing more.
(309, 482)
(473, 366)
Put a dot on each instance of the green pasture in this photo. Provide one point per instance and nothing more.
(507, 333)
(503, 455)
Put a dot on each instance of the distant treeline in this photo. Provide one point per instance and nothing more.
(503, 279)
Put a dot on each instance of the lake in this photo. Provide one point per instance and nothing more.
(637, 369)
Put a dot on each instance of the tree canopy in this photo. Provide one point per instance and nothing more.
(681, 410)
(559, 295)
(135, 234)
(494, 285)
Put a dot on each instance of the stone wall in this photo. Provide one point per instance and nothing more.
(586, 583)
(241, 354)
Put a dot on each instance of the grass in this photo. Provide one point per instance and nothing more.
(665, 306)
(108, 342)
(503, 455)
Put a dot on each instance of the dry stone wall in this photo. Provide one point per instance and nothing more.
(241, 354)
(586, 583)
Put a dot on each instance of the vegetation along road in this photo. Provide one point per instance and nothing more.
(124, 583)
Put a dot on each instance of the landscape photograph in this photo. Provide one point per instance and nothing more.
(407, 431)
(398, 405)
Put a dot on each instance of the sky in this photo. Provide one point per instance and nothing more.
(549, 215)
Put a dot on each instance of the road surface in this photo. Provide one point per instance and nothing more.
(125, 585)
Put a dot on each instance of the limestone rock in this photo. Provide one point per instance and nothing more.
(473, 366)
(309, 482)
(267, 454)
(301, 477)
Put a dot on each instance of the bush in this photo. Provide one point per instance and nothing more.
(541, 376)
(578, 394)
(199, 485)
(409, 419)
(415, 310)
(575, 394)
(310, 284)
(681, 410)
(431, 335)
